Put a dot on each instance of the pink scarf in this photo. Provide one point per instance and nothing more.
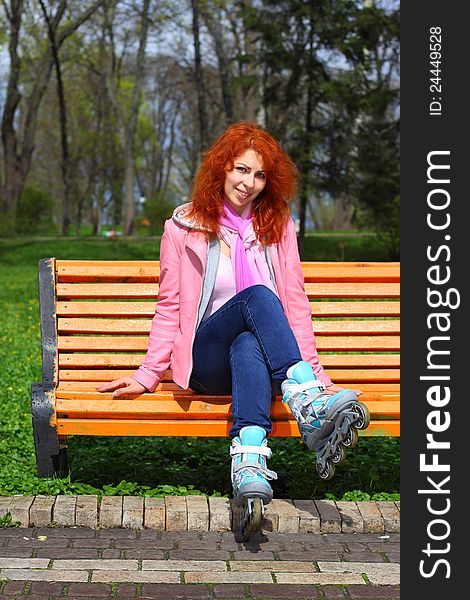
(249, 263)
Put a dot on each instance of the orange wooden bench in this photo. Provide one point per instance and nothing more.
(95, 320)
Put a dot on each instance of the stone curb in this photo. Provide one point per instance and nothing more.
(199, 513)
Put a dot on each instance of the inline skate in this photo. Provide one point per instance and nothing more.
(251, 490)
(327, 423)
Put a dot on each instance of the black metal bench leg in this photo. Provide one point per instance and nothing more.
(51, 459)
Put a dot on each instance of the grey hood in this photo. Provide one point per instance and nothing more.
(180, 216)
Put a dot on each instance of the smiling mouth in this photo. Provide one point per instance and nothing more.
(242, 193)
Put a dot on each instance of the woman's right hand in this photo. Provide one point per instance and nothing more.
(127, 386)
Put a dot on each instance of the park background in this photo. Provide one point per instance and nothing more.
(106, 108)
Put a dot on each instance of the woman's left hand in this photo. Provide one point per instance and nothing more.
(333, 389)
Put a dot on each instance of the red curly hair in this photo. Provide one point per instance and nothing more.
(271, 207)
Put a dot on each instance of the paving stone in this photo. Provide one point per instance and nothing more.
(66, 532)
(244, 555)
(16, 552)
(273, 565)
(86, 511)
(227, 577)
(90, 590)
(190, 554)
(91, 543)
(273, 591)
(220, 514)
(63, 511)
(64, 553)
(135, 576)
(114, 553)
(113, 533)
(333, 592)
(351, 519)
(143, 543)
(184, 565)
(287, 514)
(13, 587)
(198, 513)
(330, 518)
(194, 541)
(391, 516)
(320, 578)
(43, 575)
(125, 591)
(271, 518)
(357, 567)
(172, 592)
(373, 557)
(111, 511)
(133, 512)
(385, 592)
(154, 513)
(308, 556)
(19, 509)
(309, 518)
(371, 516)
(139, 553)
(98, 564)
(24, 563)
(40, 512)
(176, 513)
(229, 590)
(33, 542)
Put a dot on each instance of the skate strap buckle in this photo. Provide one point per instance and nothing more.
(297, 389)
(240, 449)
(253, 468)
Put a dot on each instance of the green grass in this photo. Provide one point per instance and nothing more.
(152, 466)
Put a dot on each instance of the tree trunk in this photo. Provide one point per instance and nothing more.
(62, 116)
(303, 197)
(201, 98)
(213, 25)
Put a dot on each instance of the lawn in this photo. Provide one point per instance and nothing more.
(153, 466)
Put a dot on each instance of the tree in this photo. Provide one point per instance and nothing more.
(20, 112)
(128, 113)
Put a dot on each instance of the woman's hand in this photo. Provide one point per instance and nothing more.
(333, 389)
(127, 386)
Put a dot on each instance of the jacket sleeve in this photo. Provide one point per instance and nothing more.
(299, 306)
(165, 323)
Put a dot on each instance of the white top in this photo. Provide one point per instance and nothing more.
(224, 287)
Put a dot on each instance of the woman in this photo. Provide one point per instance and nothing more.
(232, 315)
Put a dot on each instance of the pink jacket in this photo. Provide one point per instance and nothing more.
(183, 256)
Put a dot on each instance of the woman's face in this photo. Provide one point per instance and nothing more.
(245, 181)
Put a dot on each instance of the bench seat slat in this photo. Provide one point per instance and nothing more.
(69, 270)
(81, 389)
(152, 406)
(142, 326)
(363, 375)
(150, 290)
(92, 378)
(200, 428)
(136, 343)
(328, 361)
(132, 309)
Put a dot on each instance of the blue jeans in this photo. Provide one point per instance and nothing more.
(245, 349)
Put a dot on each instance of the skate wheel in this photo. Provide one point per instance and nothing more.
(327, 472)
(339, 456)
(364, 417)
(253, 522)
(351, 438)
